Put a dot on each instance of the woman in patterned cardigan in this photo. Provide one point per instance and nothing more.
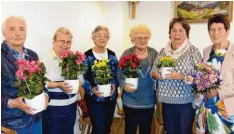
(175, 95)
(101, 109)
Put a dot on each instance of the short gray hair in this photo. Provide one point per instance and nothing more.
(101, 27)
(13, 17)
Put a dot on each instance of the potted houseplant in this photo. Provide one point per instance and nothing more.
(30, 79)
(165, 65)
(73, 66)
(102, 76)
(130, 65)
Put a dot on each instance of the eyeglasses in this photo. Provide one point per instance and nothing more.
(218, 30)
(142, 38)
(103, 37)
(64, 42)
(180, 31)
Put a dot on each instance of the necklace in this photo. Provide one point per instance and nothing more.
(149, 66)
(141, 54)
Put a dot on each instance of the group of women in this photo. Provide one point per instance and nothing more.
(175, 95)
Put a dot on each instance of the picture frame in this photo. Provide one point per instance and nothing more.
(201, 11)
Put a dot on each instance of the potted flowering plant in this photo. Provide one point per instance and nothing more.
(30, 78)
(165, 65)
(73, 66)
(205, 78)
(130, 64)
(102, 76)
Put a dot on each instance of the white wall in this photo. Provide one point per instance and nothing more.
(81, 18)
(43, 18)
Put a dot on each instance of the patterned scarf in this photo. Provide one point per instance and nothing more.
(179, 51)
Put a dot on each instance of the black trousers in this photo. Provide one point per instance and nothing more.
(101, 115)
(138, 117)
(178, 118)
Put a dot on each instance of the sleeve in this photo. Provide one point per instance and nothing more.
(196, 57)
(114, 69)
(88, 78)
(5, 85)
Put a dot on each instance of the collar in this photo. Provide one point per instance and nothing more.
(54, 55)
(15, 53)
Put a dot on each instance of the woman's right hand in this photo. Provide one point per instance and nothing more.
(65, 87)
(156, 75)
(96, 92)
(128, 88)
(19, 103)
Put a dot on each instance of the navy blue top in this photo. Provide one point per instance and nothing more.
(89, 75)
(13, 117)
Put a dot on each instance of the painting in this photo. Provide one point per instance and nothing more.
(201, 11)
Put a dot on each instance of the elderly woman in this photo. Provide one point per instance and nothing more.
(138, 105)
(60, 116)
(101, 109)
(218, 106)
(177, 96)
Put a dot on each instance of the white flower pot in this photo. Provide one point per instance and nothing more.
(105, 89)
(165, 70)
(75, 85)
(132, 81)
(38, 102)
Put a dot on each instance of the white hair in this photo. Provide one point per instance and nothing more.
(13, 17)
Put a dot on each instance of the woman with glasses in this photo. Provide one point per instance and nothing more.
(101, 109)
(217, 112)
(138, 104)
(175, 95)
(60, 116)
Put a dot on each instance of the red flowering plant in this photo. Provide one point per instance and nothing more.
(30, 78)
(130, 64)
(73, 64)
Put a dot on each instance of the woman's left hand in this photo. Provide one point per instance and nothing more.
(212, 93)
(175, 76)
(46, 101)
(112, 89)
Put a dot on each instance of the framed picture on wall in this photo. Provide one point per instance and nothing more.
(201, 11)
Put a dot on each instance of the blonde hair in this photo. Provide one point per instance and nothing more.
(100, 27)
(62, 30)
(13, 17)
(139, 28)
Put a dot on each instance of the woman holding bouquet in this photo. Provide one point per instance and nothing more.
(177, 96)
(101, 109)
(217, 112)
(139, 103)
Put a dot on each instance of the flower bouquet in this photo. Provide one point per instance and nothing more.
(73, 66)
(30, 78)
(102, 76)
(165, 65)
(130, 64)
(205, 78)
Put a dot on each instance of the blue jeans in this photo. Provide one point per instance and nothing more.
(178, 118)
(135, 117)
(36, 128)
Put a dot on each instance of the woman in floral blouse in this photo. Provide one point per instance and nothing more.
(217, 112)
(101, 109)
